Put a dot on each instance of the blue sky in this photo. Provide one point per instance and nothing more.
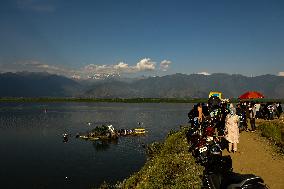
(132, 37)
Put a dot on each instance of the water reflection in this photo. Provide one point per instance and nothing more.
(103, 145)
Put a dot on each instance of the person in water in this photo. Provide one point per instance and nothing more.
(232, 130)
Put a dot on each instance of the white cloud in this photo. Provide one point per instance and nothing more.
(204, 73)
(164, 65)
(281, 74)
(121, 65)
(146, 64)
(35, 66)
(143, 65)
(93, 68)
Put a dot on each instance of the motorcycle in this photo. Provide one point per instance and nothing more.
(203, 142)
(219, 174)
(205, 146)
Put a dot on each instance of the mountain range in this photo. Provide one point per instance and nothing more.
(26, 84)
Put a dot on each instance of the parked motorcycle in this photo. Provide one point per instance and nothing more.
(205, 146)
(218, 174)
(203, 142)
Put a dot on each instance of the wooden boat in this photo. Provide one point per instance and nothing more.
(139, 131)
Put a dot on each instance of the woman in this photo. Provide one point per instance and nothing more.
(232, 130)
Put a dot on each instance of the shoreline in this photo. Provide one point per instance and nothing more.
(168, 165)
(121, 100)
(159, 166)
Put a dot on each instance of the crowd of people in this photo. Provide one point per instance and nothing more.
(230, 120)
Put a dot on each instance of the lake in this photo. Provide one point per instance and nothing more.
(33, 154)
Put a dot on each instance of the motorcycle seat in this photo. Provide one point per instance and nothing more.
(236, 180)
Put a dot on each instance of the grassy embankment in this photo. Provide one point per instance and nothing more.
(274, 131)
(169, 165)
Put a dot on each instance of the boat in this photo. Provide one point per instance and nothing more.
(127, 132)
(139, 131)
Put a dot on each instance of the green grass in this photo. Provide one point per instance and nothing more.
(169, 165)
(273, 130)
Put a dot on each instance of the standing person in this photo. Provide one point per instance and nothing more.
(252, 112)
(279, 109)
(245, 124)
(200, 113)
(247, 109)
(240, 113)
(193, 116)
(257, 110)
(270, 108)
(266, 111)
(232, 130)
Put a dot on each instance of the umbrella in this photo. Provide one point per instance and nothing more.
(251, 95)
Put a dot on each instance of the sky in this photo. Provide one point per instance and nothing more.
(149, 37)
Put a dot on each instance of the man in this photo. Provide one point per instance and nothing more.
(278, 109)
(240, 113)
(257, 110)
(252, 113)
(200, 113)
(247, 122)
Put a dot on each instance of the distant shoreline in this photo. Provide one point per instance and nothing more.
(122, 100)
(111, 100)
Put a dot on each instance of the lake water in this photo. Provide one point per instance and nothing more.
(33, 155)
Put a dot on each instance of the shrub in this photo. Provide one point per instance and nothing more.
(170, 166)
(274, 131)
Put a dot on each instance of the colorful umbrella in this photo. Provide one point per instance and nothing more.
(251, 95)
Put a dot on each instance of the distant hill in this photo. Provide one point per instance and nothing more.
(191, 86)
(25, 84)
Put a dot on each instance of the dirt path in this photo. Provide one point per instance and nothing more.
(256, 156)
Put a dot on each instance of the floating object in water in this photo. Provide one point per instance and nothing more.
(109, 133)
(65, 137)
(103, 132)
(89, 137)
(139, 131)
(89, 123)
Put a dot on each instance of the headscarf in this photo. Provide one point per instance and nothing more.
(232, 109)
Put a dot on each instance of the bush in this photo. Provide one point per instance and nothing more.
(170, 166)
(273, 130)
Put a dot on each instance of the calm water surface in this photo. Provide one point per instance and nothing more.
(33, 155)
